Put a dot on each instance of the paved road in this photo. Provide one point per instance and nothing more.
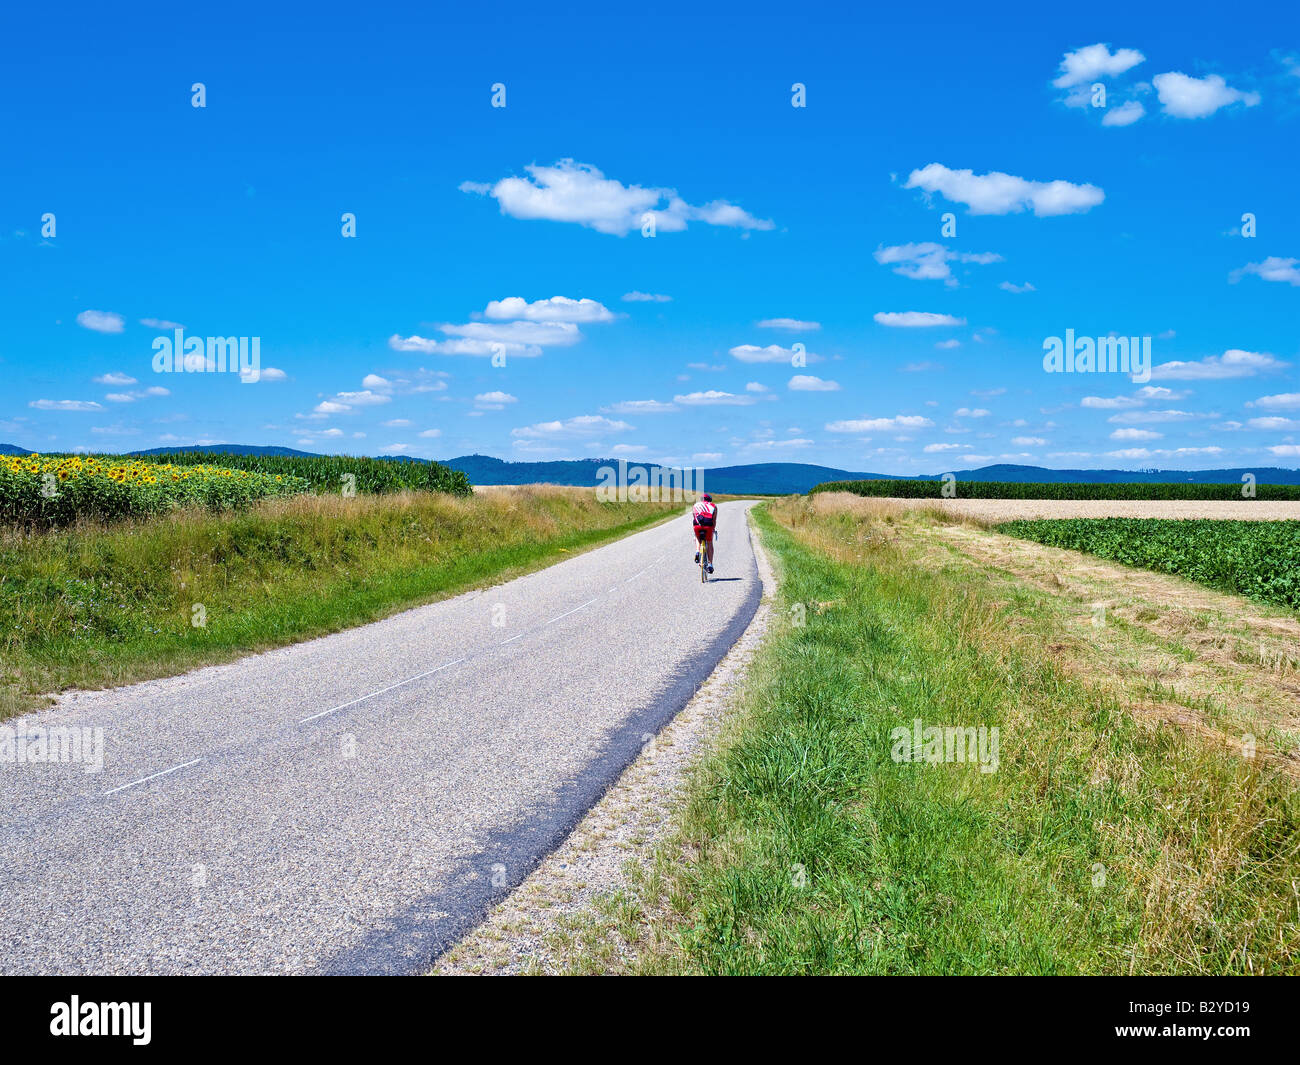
(354, 804)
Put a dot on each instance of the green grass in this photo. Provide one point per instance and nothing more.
(94, 605)
(1102, 844)
(918, 489)
(1258, 559)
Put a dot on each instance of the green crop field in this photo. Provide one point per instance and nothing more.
(1259, 559)
(916, 489)
(331, 473)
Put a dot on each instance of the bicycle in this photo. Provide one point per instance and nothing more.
(703, 546)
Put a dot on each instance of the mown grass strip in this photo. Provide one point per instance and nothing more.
(1101, 844)
(96, 606)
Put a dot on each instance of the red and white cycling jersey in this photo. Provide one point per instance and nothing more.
(705, 514)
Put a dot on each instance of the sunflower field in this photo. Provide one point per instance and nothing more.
(49, 490)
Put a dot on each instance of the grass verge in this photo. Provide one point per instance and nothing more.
(1104, 842)
(95, 606)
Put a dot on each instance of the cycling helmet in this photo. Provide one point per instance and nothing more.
(707, 498)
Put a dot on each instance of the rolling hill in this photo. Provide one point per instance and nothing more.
(767, 478)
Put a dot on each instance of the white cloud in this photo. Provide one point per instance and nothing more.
(1186, 97)
(1138, 417)
(713, 398)
(929, 261)
(365, 398)
(143, 393)
(880, 425)
(967, 412)
(1124, 115)
(583, 425)
(1232, 363)
(492, 401)
(773, 445)
(1028, 441)
(639, 406)
(915, 319)
(1274, 423)
(373, 380)
(1110, 402)
(266, 373)
(555, 309)
(120, 380)
(517, 334)
(931, 449)
(646, 297)
(1287, 450)
(425, 381)
(1135, 434)
(808, 383)
(1281, 401)
(999, 193)
(1271, 269)
(1095, 61)
(1008, 286)
(945, 345)
(772, 353)
(160, 323)
(431, 434)
(397, 423)
(754, 386)
(330, 407)
(579, 193)
(1160, 392)
(64, 404)
(1177, 452)
(101, 321)
(429, 346)
(793, 325)
(522, 339)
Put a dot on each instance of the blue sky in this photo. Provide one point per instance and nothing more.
(775, 225)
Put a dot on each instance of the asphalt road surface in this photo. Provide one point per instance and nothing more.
(354, 804)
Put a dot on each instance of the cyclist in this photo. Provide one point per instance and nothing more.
(704, 517)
